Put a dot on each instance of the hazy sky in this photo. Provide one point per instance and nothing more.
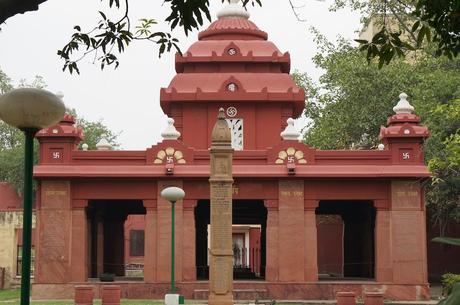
(127, 99)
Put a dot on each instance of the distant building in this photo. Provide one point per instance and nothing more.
(11, 235)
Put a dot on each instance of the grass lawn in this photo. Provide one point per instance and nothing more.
(12, 296)
(9, 294)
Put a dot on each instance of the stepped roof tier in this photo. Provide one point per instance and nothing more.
(233, 53)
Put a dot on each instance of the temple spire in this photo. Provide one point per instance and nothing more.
(233, 9)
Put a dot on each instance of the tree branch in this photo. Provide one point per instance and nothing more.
(9, 8)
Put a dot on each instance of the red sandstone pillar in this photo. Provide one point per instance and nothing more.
(54, 225)
(188, 248)
(164, 235)
(100, 246)
(408, 236)
(346, 298)
(111, 295)
(84, 295)
(79, 242)
(150, 241)
(383, 257)
(271, 268)
(311, 243)
(291, 231)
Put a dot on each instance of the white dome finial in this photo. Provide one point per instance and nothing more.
(290, 133)
(403, 106)
(233, 9)
(103, 144)
(170, 132)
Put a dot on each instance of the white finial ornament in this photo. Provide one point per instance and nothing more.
(170, 132)
(103, 144)
(233, 9)
(381, 147)
(84, 146)
(290, 133)
(403, 106)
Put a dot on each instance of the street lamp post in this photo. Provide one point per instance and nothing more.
(30, 110)
(172, 194)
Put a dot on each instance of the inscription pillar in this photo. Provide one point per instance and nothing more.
(54, 219)
(150, 241)
(311, 243)
(272, 266)
(221, 181)
(408, 233)
(291, 233)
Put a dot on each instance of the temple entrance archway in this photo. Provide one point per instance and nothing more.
(108, 251)
(346, 239)
(249, 219)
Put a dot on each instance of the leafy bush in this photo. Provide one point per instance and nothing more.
(448, 281)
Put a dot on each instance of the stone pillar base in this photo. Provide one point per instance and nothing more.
(220, 300)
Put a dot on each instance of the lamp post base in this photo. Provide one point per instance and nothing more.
(174, 299)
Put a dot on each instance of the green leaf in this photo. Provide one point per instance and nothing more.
(103, 15)
(447, 240)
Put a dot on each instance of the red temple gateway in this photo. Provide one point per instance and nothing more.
(307, 223)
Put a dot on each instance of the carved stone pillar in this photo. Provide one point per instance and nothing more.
(189, 244)
(311, 241)
(150, 241)
(221, 254)
(271, 248)
(79, 242)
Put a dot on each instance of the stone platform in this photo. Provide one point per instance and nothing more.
(244, 290)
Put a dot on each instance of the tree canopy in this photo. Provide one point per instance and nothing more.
(353, 99)
(12, 139)
(418, 20)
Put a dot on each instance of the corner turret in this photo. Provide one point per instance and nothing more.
(57, 142)
(404, 135)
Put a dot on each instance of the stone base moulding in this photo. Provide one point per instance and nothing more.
(271, 290)
(84, 295)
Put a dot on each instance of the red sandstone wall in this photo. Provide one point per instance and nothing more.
(9, 198)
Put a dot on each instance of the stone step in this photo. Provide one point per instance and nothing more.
(238, 294)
